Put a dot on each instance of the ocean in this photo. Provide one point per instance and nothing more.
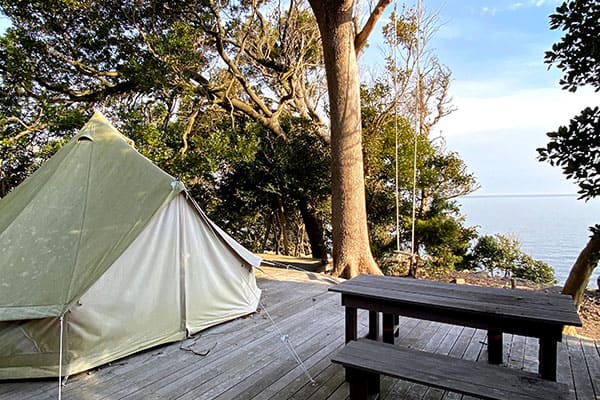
(551, 228)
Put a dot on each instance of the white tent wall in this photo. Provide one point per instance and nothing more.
(177, 277)
(136, 304)
(219, 284)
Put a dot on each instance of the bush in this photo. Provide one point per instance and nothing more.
(496, 254)
(502, 254)
(534, 270)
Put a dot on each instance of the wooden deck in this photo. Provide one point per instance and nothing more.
(247, 358)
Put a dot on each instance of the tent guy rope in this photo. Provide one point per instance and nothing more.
(285, 339)
(60, 356)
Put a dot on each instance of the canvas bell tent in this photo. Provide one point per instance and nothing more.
(106, 242)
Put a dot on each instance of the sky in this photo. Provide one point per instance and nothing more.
(506, 98)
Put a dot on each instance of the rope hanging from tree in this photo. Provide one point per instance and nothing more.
(417, 130)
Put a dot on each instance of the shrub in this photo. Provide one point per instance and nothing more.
(502, 254)
(534, 270)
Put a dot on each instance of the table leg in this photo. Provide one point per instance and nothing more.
(388, 328)
(351, 324)
(547, 358)
(494, 346)
(373, 325)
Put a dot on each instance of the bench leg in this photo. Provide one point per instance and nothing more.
(494, 346)
(547, 358)
(363, 385)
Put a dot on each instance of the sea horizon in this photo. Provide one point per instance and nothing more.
(485, 195)
(553, 228)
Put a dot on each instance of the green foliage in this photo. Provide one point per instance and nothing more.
(445, 238)
(388, 105)
(577, 54)
(205, 105)
(206, 90)
(442, 176)
(263, 193)
(502, 254)
(497, 253)
(185, 57)
(402, 30)
(534, 270)
(575, 149)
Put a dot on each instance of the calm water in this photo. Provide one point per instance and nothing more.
(553, 229)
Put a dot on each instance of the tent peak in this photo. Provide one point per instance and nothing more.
(99, 125)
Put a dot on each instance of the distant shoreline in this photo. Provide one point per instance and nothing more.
(517, 195)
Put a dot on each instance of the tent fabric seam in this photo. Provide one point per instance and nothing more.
(66, 301)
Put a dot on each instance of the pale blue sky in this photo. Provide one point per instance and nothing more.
(506, 97)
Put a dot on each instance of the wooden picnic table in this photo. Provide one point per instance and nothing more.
(531, 313)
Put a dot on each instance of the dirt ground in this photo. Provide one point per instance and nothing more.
(589, 311)
(590, 315)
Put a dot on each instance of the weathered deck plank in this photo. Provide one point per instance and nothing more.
(583, 382)
(247, 359)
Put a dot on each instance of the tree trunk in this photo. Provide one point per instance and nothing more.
(314, 229)
(283, 225)
(582, 270)
(267, 233)
(351, 249)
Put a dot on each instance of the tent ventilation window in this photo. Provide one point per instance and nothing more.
(85, 138)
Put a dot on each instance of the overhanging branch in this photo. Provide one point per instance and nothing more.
(361, 38)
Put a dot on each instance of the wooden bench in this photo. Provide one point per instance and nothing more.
(520, 312)
(365, 360)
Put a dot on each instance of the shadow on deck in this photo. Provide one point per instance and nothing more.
(248, 358)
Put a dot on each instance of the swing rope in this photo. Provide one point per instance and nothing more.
(416, 133)
(60, 357)
(417, 130)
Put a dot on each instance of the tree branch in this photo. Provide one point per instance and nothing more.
(27, 129)
(86, 69)
(219, 38)
(361, 38)
(188, 130)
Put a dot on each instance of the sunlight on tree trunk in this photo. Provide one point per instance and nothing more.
(582, 270)
(351, 249)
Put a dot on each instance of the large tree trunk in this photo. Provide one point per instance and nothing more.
(582, 270)
(314, 229)
(351, 249)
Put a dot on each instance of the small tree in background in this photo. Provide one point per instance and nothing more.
(496, 253)
(527, 267)
(576, 147)
(502, 254)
